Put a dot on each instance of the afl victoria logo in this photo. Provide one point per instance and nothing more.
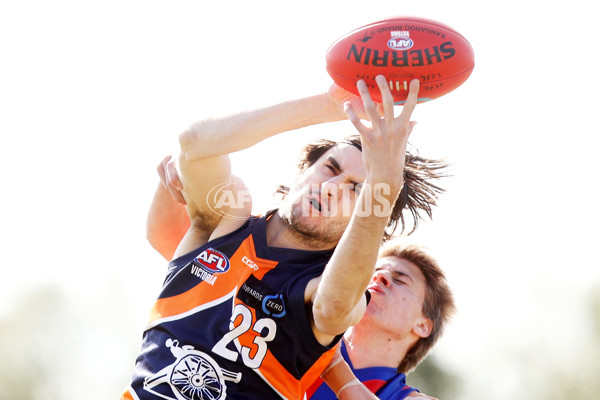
(400, 43)
(212, 261)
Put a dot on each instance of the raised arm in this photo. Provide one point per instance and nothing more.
(204, 164)
(168, 220)
(338, 301)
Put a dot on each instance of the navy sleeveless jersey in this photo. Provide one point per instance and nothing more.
(231, 323)
(385, 382)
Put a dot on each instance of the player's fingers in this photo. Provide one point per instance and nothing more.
(353, 117)
(387, 99)
(160, 168)
(177, 195)
(411, 125)
(411, 100)
(174, 184)
(173, 176)
(368, 103)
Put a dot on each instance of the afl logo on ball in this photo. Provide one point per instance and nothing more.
(212, 261)
(400, 43)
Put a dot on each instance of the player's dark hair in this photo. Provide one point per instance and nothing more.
(438, 304)
(418, 195)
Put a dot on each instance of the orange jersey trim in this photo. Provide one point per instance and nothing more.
(221, 290)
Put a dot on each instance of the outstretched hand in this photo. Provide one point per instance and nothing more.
(384, 142)
(341, 96)
(170, 179)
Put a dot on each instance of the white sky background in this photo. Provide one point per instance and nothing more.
(94, 94)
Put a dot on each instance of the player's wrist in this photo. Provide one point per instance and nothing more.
(378, 197)
(337, 375)
(354, 382)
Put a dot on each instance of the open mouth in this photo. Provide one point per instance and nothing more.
(375, 288)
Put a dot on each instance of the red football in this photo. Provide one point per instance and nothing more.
(401, 49)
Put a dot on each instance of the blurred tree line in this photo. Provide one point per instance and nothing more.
(55, 348)
(31, 346)
(49, 351)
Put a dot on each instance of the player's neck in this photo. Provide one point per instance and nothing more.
(280, 234)
(369, 348)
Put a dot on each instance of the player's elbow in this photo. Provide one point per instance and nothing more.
(197, 141)
(334, 319)
(187, 140)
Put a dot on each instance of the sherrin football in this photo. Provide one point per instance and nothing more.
(401, 49)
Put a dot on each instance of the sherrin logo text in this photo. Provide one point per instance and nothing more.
(405, 58)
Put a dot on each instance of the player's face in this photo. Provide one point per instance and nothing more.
(397, 294)
(322, 200)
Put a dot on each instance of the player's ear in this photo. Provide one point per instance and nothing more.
(423, 327)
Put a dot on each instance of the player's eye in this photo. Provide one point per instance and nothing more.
(400, 282)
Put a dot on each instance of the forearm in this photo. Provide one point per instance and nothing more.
(167, 222)
(220, 136)
(351, 267)
(342, 381)
(339, 294)
(356, 391)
